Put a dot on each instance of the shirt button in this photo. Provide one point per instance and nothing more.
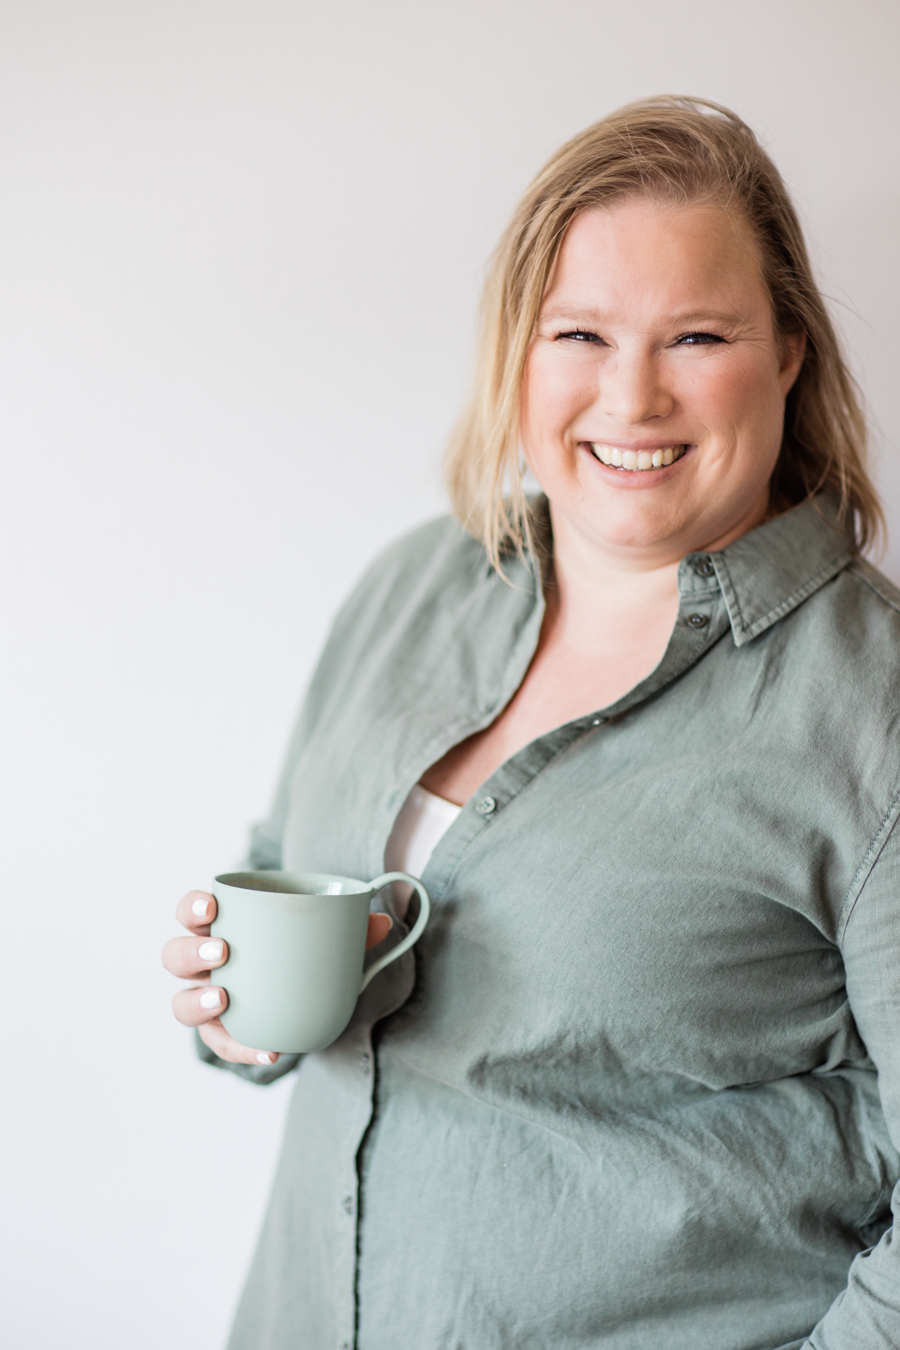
(363, 1062)
(347, 1204)
(705, 567)
(486, 806)
(697, 620)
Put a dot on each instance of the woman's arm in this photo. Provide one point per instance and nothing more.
(366, 608)
(867, 1315)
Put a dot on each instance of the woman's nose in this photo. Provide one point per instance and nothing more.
(632, 389)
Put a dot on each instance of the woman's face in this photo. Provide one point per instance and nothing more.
(653, 398)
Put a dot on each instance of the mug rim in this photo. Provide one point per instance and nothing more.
(293, 883)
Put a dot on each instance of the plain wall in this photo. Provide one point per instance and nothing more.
(242, 243)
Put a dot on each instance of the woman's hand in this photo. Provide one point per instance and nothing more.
(194, 958)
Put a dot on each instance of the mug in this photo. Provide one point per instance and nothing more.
(296, 944)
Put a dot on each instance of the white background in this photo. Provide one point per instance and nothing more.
(241, 243)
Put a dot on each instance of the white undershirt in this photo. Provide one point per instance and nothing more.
(423, 820)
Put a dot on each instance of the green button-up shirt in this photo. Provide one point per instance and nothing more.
(639, 1087)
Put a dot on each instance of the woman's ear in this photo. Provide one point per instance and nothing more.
(793, 350)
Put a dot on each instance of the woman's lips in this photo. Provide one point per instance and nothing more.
(635, 461)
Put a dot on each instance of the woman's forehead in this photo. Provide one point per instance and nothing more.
(693, 258)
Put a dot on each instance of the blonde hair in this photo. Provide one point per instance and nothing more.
(681, 150)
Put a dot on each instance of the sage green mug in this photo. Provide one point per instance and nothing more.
(296, 945)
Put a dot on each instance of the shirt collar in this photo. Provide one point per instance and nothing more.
(762, 576)
(771, 570)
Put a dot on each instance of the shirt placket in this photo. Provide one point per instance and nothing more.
(357, 1079)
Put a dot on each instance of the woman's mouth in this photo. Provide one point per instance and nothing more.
(636, 461)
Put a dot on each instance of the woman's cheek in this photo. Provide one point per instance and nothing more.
(555, 392)
(741, 395)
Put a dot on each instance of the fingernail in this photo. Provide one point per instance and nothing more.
(200, 908)
(211, 999)
(264, 1057)
(210, 951)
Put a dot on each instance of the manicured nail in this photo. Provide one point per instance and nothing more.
(200, 908)
(264, 1057)
(211, 999)
(210, 951)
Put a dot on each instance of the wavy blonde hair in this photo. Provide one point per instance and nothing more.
(679, 150)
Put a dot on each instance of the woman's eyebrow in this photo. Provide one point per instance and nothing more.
(571, 313)
(726, 316)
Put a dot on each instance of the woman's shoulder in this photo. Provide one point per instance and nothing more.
(434, 549)
(434, 564)
(875, 589)
(864, 614)
(850, 644)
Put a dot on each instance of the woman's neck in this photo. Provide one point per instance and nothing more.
(604, 629)
(598, 604)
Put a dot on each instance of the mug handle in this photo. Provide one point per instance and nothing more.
(412, 936)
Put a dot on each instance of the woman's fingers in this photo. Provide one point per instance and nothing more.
(226, 1047)
(191, 957)
(201, 1004)
(379, 927)
(196, 911)
(200, 1007)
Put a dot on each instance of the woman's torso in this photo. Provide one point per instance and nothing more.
(626, 1093)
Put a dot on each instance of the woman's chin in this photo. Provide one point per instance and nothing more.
(635, 522)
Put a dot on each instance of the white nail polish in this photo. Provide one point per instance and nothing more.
(264, 1057)
(200, 908)
(211, 999)
(210, 951)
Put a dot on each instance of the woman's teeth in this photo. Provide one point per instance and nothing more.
(636, 460)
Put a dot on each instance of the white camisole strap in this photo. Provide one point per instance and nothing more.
(423, 820)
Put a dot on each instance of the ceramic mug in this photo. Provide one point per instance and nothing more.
(296, 944)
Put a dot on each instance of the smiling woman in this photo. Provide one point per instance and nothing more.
(672, 153)
(640, 1084)
(692, 356)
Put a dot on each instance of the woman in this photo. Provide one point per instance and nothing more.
(639, 1087)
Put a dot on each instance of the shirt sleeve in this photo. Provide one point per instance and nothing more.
(261, 1074)
(866, 1315)
(266, 837)
(265, 854)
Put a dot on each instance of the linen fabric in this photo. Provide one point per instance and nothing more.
(639, 1085)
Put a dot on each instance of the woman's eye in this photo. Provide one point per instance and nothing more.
(699, 339)
(577, 335)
